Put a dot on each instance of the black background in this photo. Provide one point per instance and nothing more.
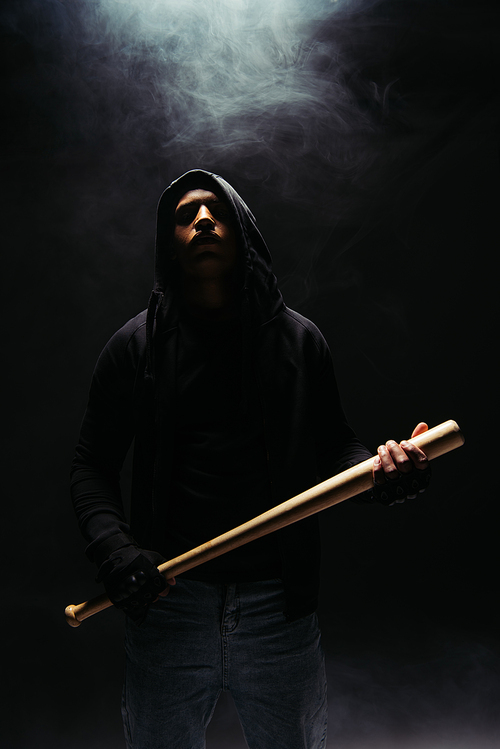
(363, 135)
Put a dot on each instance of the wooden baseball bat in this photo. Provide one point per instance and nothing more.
(435, 442)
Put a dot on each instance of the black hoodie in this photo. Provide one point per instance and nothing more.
(132, 397)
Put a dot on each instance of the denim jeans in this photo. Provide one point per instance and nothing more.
(207, 637)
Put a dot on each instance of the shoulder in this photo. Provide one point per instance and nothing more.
(302, 329)
(134, 331)
(127, 345)
(292, 338)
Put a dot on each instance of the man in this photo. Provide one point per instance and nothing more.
(232, 404)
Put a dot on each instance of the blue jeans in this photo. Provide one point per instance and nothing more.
(207, 637)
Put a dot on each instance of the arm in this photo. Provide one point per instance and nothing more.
(401, 470)
(338, 447)
(129, 574)
(106, 434)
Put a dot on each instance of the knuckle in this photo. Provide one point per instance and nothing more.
(392, 473)
(404, 464)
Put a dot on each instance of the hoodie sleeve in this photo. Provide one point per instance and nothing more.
(337, 445)
(106, 434)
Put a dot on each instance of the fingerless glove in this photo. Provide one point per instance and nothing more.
(406, 486)
(129, 574)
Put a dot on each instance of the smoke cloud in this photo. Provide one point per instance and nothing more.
(324, 114)
(304, 100)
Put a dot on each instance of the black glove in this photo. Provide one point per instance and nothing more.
(406, 486)
(129, 574)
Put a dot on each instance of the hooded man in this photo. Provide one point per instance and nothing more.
(231, 401)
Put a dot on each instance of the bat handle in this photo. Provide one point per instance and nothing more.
(71, 615)
(76, 613)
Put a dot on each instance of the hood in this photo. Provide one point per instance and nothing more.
(260, 290)
(261, 299)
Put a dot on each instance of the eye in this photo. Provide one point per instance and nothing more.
(185, 216)
(220, 211)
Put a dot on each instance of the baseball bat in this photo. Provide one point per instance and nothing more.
(434, 442)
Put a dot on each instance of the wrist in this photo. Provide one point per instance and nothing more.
(105, 545)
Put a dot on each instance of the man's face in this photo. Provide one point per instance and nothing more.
(204, 238)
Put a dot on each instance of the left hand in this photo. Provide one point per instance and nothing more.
(394, 462)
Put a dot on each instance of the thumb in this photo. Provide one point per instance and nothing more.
(420, 429)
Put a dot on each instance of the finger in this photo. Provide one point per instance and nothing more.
(170, 581)
(378, 471)
(399, 457)
(420, 429)
(417, 456)
(389, 468)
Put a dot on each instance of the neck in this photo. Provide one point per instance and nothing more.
(213, 299)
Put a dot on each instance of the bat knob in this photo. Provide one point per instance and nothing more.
(69, 612)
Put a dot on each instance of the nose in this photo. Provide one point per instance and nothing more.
(204, 217)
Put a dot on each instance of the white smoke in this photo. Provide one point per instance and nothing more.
(267, 90)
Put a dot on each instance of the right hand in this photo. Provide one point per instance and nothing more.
(132, 580)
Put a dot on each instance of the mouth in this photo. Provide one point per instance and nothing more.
(206, 238)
